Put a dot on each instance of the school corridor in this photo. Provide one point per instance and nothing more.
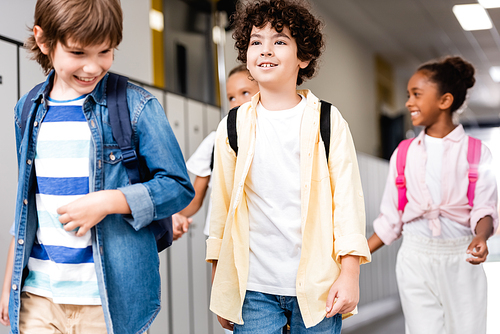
(182, 51)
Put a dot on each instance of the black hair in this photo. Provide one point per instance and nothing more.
(452, 75)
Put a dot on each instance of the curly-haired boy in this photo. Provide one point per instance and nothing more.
(287, 226)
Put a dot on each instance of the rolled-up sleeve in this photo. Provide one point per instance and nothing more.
(348, 202)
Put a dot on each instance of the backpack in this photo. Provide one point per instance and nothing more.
(324, 121)
(473, 157)
(116, 91)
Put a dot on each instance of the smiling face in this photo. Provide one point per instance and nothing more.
(77, 68)
(240, 88)
(424, 100)
(272, 57)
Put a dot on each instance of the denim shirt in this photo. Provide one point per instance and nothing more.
(124, 248)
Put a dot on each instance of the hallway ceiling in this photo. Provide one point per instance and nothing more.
(410, 32)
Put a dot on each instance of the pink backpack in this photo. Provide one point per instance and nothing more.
(473, 157)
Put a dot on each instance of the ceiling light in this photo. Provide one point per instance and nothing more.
(156, 20)
(472, 17)
(490, 3)
(495, 73)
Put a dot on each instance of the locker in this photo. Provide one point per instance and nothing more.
(31, 72)
(195, 111)
(213, 118)
(8, 172)
(175, 115)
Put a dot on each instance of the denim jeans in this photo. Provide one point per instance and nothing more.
(269, 314)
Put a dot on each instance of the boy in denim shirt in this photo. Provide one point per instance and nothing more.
(85, 259)
(287, 225)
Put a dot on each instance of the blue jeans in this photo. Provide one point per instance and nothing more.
(269, 314)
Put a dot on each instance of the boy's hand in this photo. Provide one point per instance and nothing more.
(344, 293)
(180, 225)
(226, 324)
(88, 210)
(478, 248)
(4, 309)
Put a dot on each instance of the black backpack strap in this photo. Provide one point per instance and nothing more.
(232, 133)
(212, 159)
(325, 125)
(119, 118)
(27, 106)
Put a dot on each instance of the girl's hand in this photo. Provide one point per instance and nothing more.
(344, 293)
(478, 248)
(226, 324)
(180, 225)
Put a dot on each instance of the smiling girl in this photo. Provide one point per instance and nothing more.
(445, 229)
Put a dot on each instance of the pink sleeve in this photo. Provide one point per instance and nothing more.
(388, 225)
(485, 197)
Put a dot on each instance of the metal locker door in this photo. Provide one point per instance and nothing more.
(179, 289)
(8, 167)
(162, 323)
(213, 118)
(175, 114)
(196, 116)
(31, 72)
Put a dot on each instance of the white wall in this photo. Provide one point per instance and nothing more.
(346, 78)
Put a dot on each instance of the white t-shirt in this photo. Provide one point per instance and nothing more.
(273, 199)
(433, 169)
(199, 165)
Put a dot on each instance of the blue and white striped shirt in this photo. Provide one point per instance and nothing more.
(61, 264)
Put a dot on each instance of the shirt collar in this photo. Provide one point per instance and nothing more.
(310, 97)
(456, 135)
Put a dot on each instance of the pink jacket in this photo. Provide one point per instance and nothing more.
(454, 204)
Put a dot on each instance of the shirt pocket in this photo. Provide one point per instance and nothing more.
(115, 174)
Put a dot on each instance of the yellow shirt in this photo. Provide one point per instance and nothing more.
(332, 208)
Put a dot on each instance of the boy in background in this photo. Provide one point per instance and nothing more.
(287, 224)
(85, 260)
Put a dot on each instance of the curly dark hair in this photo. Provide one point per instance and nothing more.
(452, 75)
(294, 14)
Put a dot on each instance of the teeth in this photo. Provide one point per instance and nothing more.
(85, 79)
(415, 113)
(267, 65)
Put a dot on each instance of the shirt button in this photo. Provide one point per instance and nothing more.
(35, 124)
(112, 157)
(28, 161)
(92, 123)
(41, 101)
(14, 287)
(25, 201)
(20, 241)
